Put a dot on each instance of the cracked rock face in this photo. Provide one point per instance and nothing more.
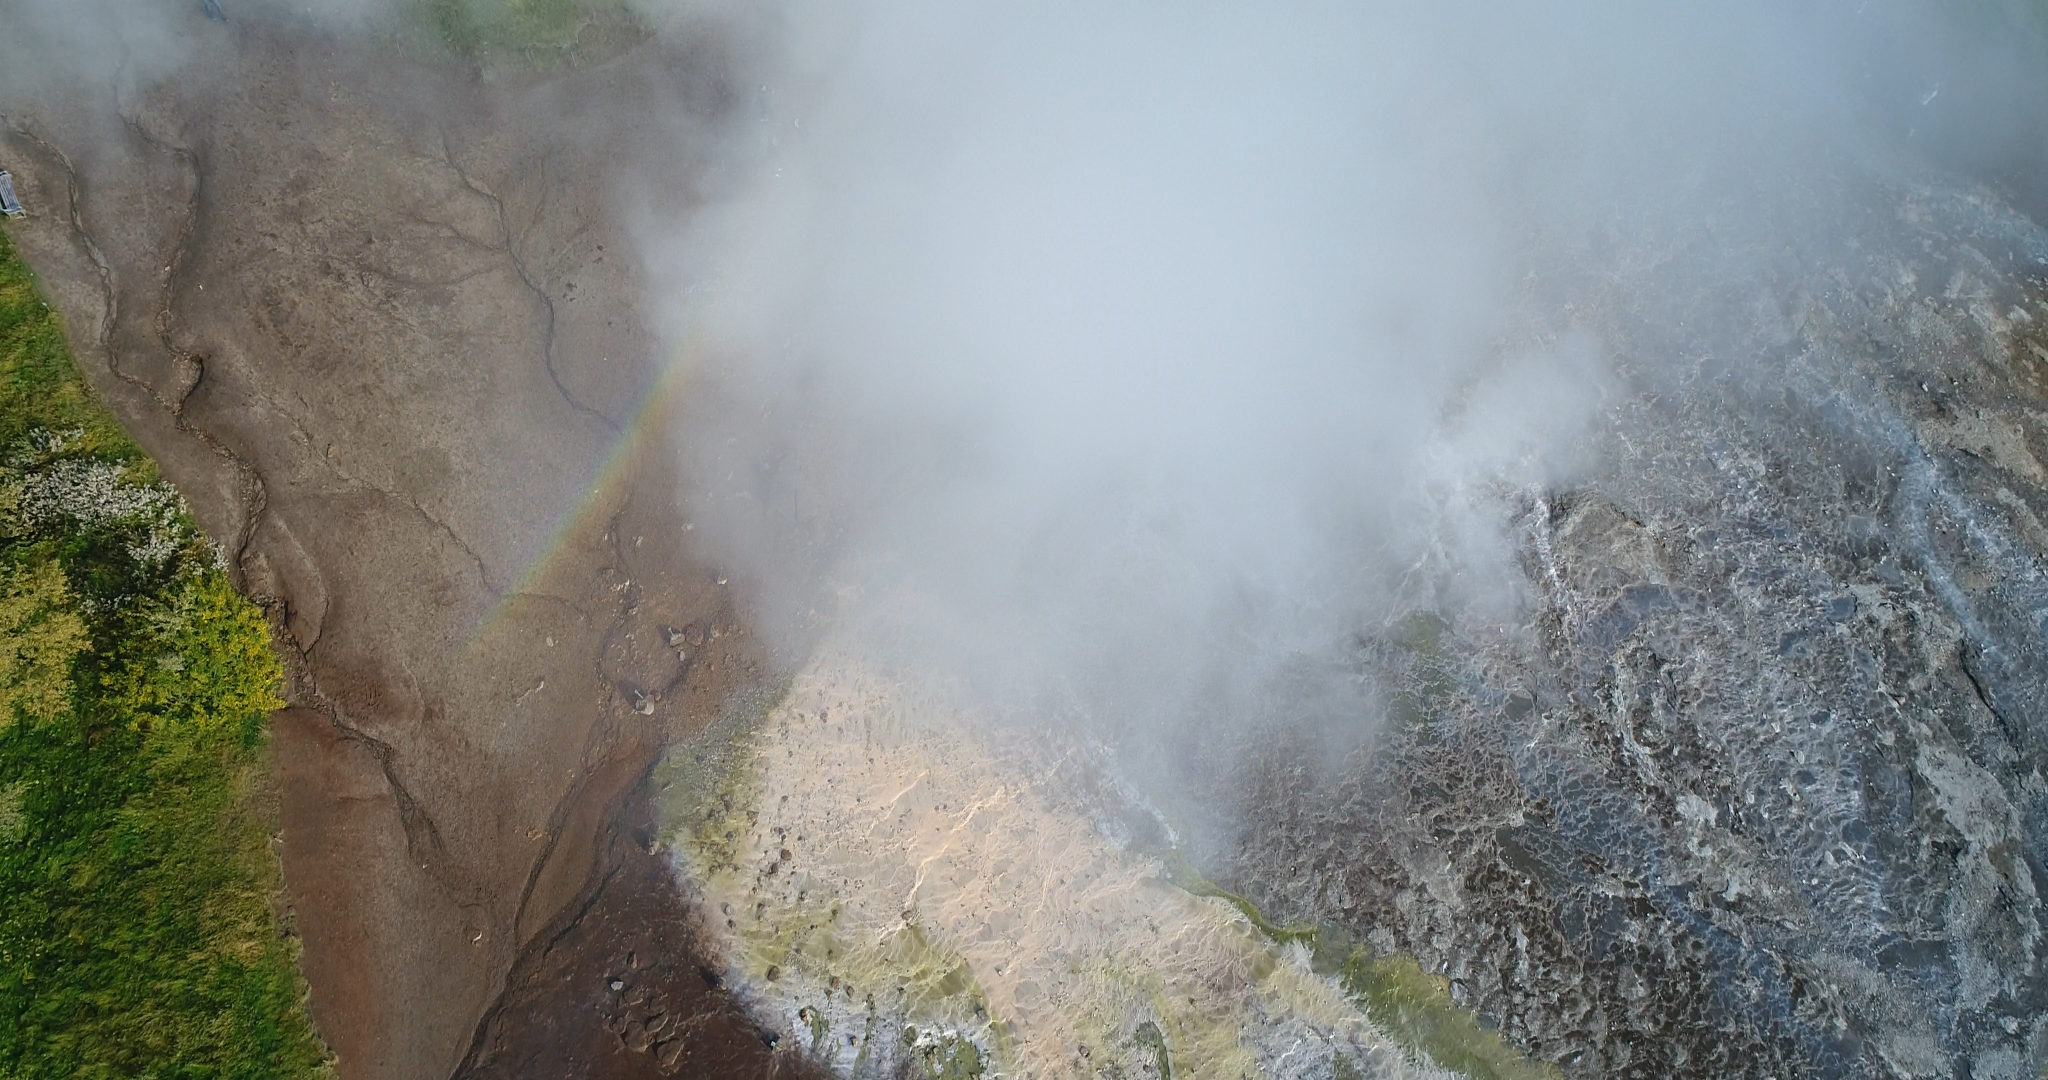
(1754, 785)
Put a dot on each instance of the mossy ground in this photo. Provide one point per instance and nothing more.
(720, 799)
(137, 934)
(711, 795)
(528, 35)
(1412, 1006)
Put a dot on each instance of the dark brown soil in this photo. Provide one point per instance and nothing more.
(615, 988)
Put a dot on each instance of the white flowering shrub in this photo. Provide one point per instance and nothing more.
(93, 493)
(48, 489)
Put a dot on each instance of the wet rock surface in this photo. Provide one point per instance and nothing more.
(1753, 786)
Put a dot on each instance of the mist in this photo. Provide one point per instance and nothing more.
(1145, 349)
(1553, 482)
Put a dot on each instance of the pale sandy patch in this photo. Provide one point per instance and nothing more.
(877, 859)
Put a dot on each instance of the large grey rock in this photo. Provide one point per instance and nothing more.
(1753, 783)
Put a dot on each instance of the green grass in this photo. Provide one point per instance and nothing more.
(39, 387)
(535, 34)
(137, 934)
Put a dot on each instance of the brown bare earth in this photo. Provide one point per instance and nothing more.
(621, 958)
(379, 320)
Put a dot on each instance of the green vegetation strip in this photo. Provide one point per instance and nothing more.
(137, 935)
(1412, 1006)
(529, 34)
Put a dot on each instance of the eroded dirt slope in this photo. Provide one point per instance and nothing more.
(377, 318)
